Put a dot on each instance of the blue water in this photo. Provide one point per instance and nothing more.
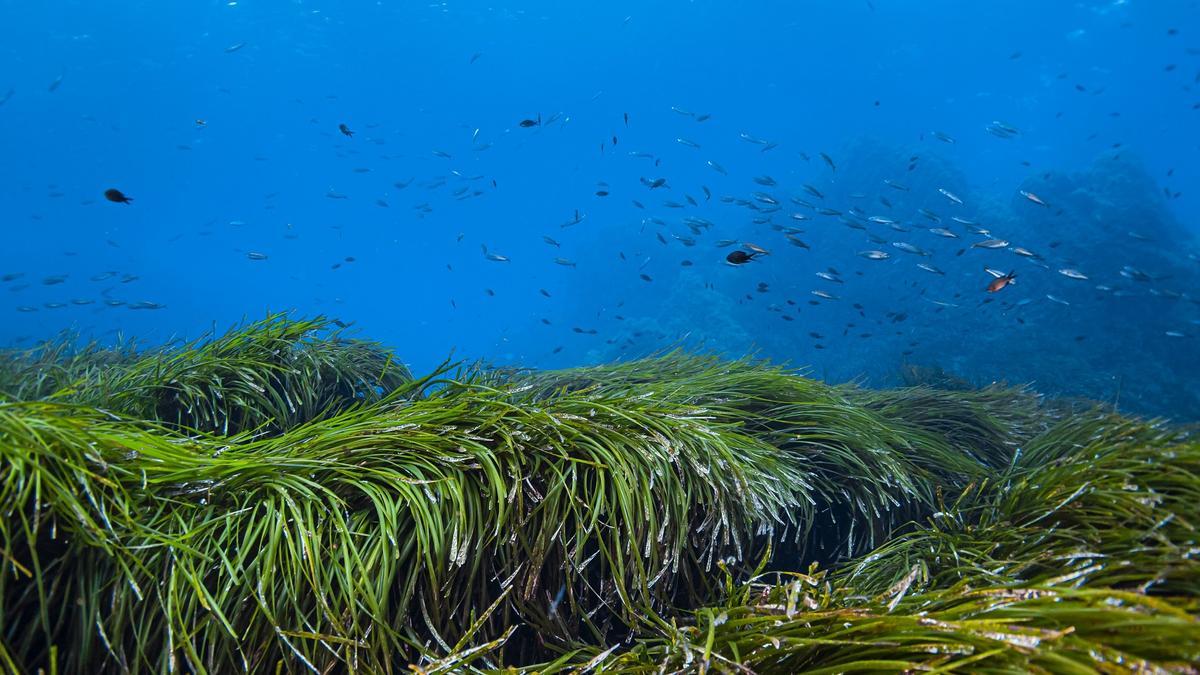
(1105, 97)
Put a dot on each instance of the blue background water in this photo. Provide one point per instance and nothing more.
(1105, 95)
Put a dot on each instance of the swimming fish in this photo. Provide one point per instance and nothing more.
(1033, 198)
(345, 130)
(950, 195)
(1000, 282)
(740, 257)
(115, 195)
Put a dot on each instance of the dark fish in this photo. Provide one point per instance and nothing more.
(740, 257)
(115, 195)
(345, 130)
(527, 123)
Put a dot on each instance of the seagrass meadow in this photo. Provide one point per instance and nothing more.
(284, 498)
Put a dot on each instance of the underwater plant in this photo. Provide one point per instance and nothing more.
(282, 498)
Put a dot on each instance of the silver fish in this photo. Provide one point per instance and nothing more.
(990, 243)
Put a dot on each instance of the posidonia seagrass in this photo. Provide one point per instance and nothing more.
(282, 497)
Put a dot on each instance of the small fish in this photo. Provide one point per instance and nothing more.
(740, 257)
(1033, 198)
(1073, 274)
(687, 142)
(255, 255)
(234, 47)
(54, 280)
(1001, 130)
(550, 241)
(717, 167)
(527, 123)
(909, 248)
(1055, 298)
(494, 257)
(943, 137)
(1000, 282)
(813, 191)
(990, 243)
(823, 294)
(797, 242)
(564, 262)
(146, 304)
(943, 232)
(828, 160)
(950, 195)
(930, 268)
(894, 185)
(115, 195)
(875, 255)
(345, 130)
(930, 215)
